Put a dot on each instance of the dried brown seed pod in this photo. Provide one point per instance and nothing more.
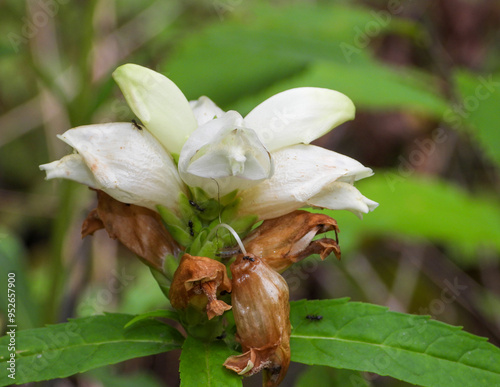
(288, 239)
(138, 228)
(261, 312)
(197, 281)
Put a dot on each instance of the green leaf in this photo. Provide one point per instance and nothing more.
(479, 109)
(12, 260)
(57, 351)
(253, 54)
(107, 378)
(370, 84)
(156, 313)
(201, 365)
(370, 338)
(424, 207)
(330, 377)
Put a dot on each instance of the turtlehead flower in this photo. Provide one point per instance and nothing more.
(197, 281)
(288, 239)
(168, 186)
(265, 155)
(261, 312)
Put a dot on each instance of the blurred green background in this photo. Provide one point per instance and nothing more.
(424, 76)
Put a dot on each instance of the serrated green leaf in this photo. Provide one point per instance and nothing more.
(366, 337)
(82, 344)
(201, 365)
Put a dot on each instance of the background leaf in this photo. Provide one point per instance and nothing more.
(81, 344)
(201, 364)
(480, 97)
(259, 48)
(412, 348)
(107, 378)
(424, 207)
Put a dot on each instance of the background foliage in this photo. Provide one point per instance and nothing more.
(425, 77)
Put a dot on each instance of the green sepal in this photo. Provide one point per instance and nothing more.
(244, 224)
(175, 157)
(187, 210)
(229, 198)
(176, 228)
(197, 243)
(230, 211)
(170, 265)
(209, 249)
(204, 206)
(163, 281)
(198, 325)
(196, 226)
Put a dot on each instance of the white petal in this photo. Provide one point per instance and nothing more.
(70, 167)
(225, 151)
(300, 173)
(127, 163)
(299, 115)
(343, 196)
(158, 103)
(205, 110)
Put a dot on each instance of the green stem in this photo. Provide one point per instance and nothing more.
(79, 113)
(59, 232)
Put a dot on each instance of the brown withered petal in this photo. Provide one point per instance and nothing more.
(261, 312)
(197, 281)
(288, 239)
(138, 228)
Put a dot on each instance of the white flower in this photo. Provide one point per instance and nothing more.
(121, 160)
(264, 155)
(158, 103)
(308, 175)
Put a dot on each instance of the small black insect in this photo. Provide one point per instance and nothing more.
(195, 205)
(314, 317)
(222, 336)
(275, 370)
(191, 231)
(134, 122)
(247, 258)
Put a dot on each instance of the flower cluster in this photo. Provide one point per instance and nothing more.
(165, 187)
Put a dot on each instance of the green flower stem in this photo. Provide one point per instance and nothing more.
(59, 231)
